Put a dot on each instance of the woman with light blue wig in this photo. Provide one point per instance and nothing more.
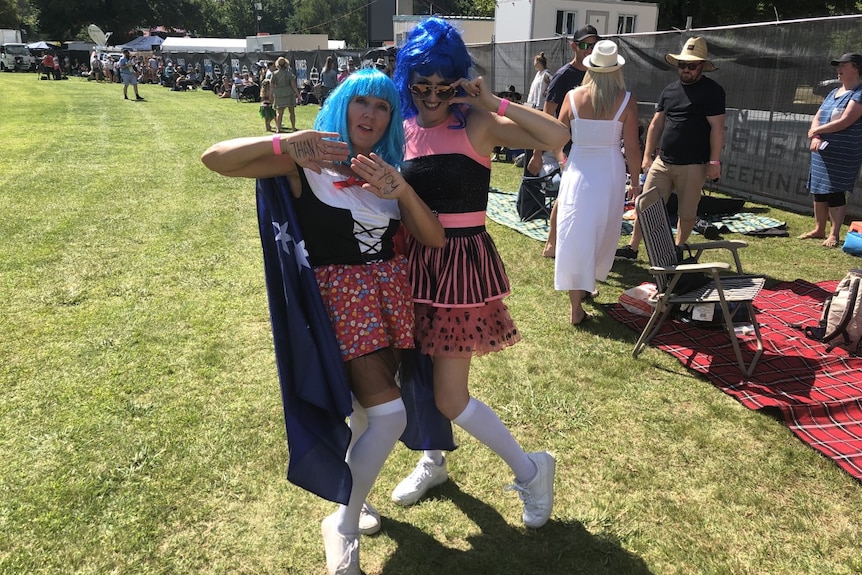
(452, 125)
(349, 199)
(366, 82)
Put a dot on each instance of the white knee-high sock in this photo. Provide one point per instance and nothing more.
(481, 422)
(435, 455)
(386, 423)
(358, 422)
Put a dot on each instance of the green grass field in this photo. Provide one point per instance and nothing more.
(140, 419)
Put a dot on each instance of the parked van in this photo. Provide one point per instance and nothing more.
(16, 57)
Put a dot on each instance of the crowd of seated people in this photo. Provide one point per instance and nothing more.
(243, 85)
(186, 79)
(240, 85)
(155, 69)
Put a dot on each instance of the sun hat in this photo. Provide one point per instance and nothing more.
(605, 58)
(694, 50)
(849, 57)
(585, 32)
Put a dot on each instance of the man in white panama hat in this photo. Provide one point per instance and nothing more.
(684, 140)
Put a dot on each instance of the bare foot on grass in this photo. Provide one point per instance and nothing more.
(812, 235)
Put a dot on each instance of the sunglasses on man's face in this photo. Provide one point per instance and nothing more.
(687, 65)
(423, 91)
(586, 45)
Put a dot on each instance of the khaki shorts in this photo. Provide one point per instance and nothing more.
(687, 180)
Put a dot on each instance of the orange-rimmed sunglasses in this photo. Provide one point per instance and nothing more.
(423, 91)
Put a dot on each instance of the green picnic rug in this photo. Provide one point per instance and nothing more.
(501, 209)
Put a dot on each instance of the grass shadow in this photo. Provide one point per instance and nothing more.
(502, 549)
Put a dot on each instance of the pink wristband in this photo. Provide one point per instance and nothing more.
(276, 145)
(504, 104)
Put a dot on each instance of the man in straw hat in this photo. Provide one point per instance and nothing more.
(566, 78)
(684, 140)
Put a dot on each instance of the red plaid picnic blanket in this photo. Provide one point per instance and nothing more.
(819, 394)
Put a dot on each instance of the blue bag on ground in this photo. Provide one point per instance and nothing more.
(853, 244)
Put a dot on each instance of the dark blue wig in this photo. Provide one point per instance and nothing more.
(433, 47)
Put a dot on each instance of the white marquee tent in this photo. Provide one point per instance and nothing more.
(204, 45)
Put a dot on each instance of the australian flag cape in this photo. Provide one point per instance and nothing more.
(315, 393)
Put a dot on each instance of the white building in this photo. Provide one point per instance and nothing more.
(518, 20)
(473, 29)
(250, 44)
(287, 42)
(203, 45)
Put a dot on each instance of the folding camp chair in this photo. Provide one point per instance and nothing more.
(664, 258)
(537, 195)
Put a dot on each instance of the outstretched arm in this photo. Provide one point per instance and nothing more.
(270, 156)
(509, 125)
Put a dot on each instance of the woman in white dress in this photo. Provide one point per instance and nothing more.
(539, 87)
(592, 191)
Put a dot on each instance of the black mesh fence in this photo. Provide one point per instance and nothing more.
(306, 64)
(775, 76)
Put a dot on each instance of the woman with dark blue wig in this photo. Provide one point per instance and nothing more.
(452, 125)
(349, 199)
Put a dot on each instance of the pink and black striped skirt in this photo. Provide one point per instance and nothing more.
(458, 291)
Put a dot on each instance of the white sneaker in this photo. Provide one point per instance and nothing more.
(426, 475)
(369, 520)
(342, 552)
(538, 494)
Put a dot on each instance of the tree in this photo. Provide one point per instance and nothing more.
(339, 19)
(673, 13)
(62, 19)
(16, 14)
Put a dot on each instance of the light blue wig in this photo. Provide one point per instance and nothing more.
(433, 47)
(332, 117)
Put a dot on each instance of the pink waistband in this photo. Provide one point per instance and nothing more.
(465, 220)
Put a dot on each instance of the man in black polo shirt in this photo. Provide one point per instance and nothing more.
(567, 78)
(687, 130)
